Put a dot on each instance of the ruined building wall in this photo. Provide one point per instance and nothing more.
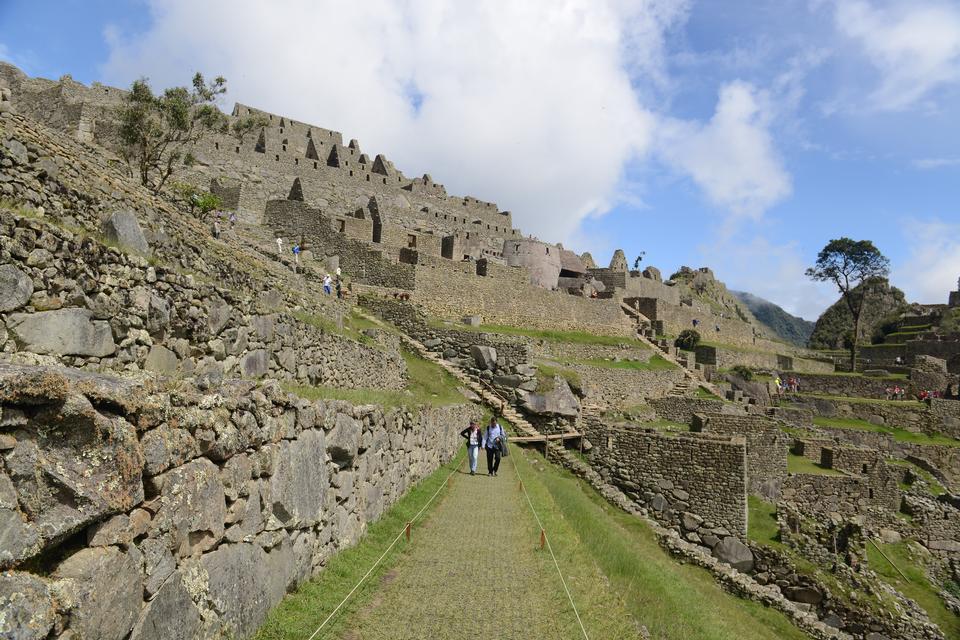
(157, 513)
(767, 447)
(674, 474)
(505, 296)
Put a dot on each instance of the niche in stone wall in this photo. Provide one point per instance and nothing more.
(312, 151)
(261, 146)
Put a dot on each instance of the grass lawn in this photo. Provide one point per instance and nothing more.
(298, 615)
(577, 337)
(900, 435)
(547, 372)
(426, 384)
(762, 521)
(799, 464)
(673, 600)
(917, 586)
(705, 394)
(665, 425)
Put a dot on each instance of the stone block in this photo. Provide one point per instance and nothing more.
(103, 585)
(192, 508)
(255, 364)
(170, 614)
(123, 228)
(27, 607)
(16, 287)
(484, 357)
(161, 360)
(63, 332)
(299, 483)
(734, 553)
(472, 321)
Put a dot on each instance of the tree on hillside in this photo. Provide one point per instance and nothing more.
(848, 263)
(156, 130)
(243, 126)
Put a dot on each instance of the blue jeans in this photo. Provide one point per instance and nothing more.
(473, 453)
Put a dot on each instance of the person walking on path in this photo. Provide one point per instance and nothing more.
(493, 440)
(279, 248)
(474, 438)
(216, 229)
(296, 256)
(327, 282)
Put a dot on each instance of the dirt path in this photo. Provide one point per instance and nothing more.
(475, 570)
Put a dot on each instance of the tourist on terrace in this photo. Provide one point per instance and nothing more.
(327, 284)
(493, 440)
(279, 247)
(296, 255)
(474, 438)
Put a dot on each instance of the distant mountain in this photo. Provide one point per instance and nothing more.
(778, 322)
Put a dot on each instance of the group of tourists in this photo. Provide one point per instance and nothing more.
(493, 440)
(217, 226)
(895, 392)
(790, 385)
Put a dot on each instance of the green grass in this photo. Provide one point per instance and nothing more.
(665, 425)
(674, 601)
(576, 337)
(850, 374)
(936, 488)
(426, 384)
(547, 372)
(705, 394)
(799, 464)
(917, 586)
(898, 434)
(299, 614)
(762, 524)
(655, 363)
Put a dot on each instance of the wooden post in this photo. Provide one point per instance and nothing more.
(543, 539)
(408, 532)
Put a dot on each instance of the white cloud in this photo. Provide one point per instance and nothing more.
(731, 157)
(935, 163)
(932, 266)
(914, 45)
(526, 103)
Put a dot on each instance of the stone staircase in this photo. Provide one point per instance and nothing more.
(682, 389)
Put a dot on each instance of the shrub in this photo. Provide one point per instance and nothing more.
(742, 372)
(687, 340)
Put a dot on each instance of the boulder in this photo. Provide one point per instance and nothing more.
(192, 506)
(255, 364)
(71, 332)
(105, 590)
(171, 614)
(513, 381)
(734, 553)
(16, 287)
(343, 441)
(559, 401)
(158, 563)
(484, 357)
(71, 467)
(123, 228)
(244, 585)
(299, 482)
(806, 595)
(161, 360)
(26, 606)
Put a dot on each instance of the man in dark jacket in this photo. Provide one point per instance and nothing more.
(493, 439)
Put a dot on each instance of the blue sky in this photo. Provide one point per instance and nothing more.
(736, 135)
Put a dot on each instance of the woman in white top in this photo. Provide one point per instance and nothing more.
(474, 439)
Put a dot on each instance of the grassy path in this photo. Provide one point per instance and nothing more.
(475, 570)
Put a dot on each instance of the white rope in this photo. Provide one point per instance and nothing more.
(550, 548)
(384, 555)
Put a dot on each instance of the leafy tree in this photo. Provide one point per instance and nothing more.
(196, 199)
(848, 263)
(742, 372)
(157, 130)
(687, 340)
(244, 126)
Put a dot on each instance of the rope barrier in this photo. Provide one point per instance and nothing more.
(405, 530)
(545, 538)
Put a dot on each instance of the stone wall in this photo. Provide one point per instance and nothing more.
(938, 523)
(906, 415)
(847, 495)
(767, 447)
(131, 511)
(85, 304)
(615, 388)
(671, 475)
(849, 386)
(317, 232)
(681, 410)
(506, 297)
(726, 358)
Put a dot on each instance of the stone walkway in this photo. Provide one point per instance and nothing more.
(475, 571)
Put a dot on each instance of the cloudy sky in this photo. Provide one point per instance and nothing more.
(741, 135)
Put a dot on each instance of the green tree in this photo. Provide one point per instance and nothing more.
(848, 263)
(196, 199)
(156, 131)
(687, 340)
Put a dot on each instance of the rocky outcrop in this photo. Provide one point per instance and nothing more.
(63, 332)
(123, 228)
(16, 287)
